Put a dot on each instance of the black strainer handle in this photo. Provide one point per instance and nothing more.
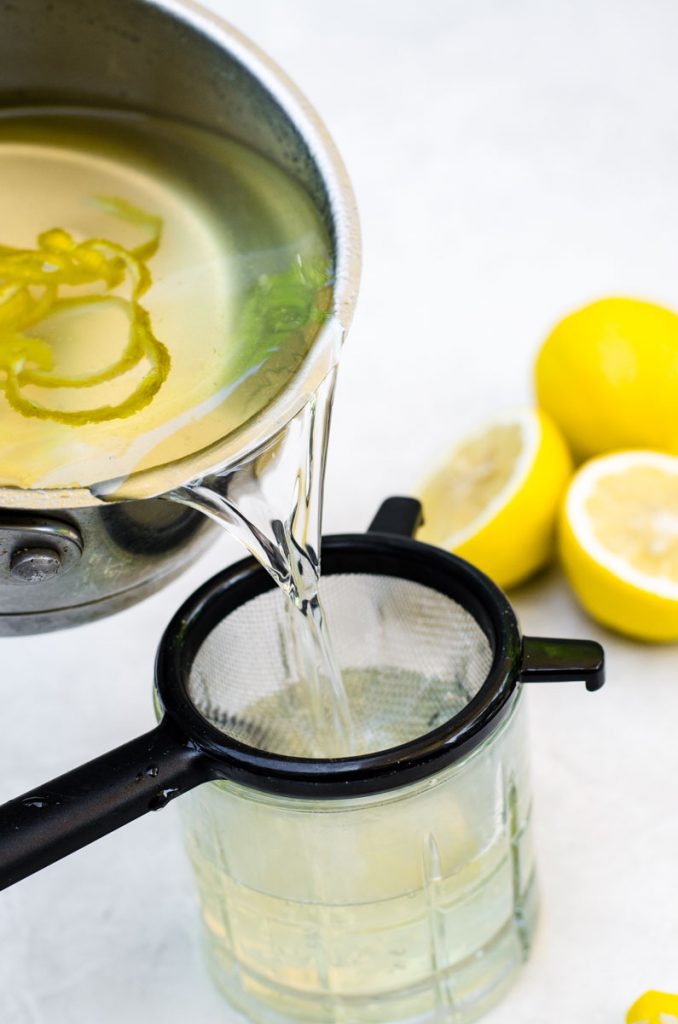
(551, 660)
(400, 516)
(54, 820)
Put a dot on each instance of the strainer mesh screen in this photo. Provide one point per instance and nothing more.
(410, 659)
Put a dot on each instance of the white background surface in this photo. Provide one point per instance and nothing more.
(511, 160)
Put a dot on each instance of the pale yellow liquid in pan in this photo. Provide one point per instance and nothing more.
(237, 284)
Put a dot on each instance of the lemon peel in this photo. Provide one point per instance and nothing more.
(31, 283)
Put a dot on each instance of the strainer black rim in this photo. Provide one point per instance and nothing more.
(381, 771)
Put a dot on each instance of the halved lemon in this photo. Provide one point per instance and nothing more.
(619, 542)
(494, 498)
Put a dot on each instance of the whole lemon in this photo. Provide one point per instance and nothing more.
(608, 376)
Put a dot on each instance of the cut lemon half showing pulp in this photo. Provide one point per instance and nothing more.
(495, 497)
(619, 542)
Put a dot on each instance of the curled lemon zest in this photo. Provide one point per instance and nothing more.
(31, 283)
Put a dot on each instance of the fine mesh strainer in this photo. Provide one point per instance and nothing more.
(431, 655)
(410, 657)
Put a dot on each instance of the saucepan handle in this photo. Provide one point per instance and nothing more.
(550, 660)
(54, 820)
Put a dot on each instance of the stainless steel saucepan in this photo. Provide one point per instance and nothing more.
(65, 556)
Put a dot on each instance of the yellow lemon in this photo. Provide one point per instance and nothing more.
(654, 1008)
(608, 375)
(619, 542)
(495, 497)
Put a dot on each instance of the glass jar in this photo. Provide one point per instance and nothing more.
(414, 905)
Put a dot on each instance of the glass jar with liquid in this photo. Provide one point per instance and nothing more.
(414, 905)
(393, 881)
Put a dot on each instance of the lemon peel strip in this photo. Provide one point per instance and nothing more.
(60, 261)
